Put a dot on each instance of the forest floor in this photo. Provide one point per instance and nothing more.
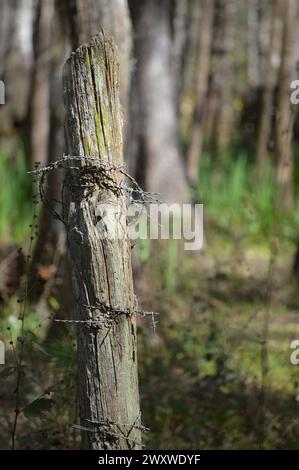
(201, 373)
(201, 370)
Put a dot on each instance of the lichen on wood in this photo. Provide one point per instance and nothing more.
(102, 274)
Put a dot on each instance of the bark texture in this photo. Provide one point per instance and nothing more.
(154, 136)
(87, 17)
(102, 275)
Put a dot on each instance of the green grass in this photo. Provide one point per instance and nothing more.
(200, 373)
(201, 376)
(15, 201)
(240, 204)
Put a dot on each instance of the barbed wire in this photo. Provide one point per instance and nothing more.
(95, 174)
(99, 174)
(108, 317)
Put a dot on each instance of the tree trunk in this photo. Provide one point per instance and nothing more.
(7, 30)
(190, 75)
(253, 44)
(15, 70)
(204, 59)
(179, 42)
(217, 67)
(285, 114)
(270, 84)
(102, 275)
(225, 115)
(87, 17)
(49, 249)
(155, 130)
(39, 114)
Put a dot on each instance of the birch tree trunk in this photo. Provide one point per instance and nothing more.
(102, 275)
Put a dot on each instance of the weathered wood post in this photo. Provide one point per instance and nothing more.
(102, 275)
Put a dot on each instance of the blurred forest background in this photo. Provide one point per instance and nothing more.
(205, 91)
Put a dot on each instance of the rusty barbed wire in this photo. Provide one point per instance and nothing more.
(92, 177)
(96, 174)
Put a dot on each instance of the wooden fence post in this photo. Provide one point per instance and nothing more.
(102, 275)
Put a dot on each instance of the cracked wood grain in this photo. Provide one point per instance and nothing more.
(101, 268)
